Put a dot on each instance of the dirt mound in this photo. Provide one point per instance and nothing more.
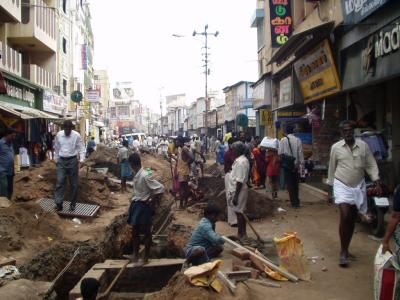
(40, 182)
(258, 205)
(178, 237)
(24, 222)
(105, 157)
(179, 288)
(23, 289)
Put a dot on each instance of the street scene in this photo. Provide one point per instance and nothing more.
(173, 150)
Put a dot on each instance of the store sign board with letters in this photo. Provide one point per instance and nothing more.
(317, 75)
(281, 21)
(355, 11)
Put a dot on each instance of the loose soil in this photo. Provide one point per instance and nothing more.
(258, 205)
(179, 288)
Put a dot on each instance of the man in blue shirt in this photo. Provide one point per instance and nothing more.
(205, 243)
(7, 163)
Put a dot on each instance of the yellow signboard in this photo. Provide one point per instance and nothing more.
(266, 118)
(317, 73)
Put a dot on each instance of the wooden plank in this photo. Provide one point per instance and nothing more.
(274, 267)
(152, 263)
(264, 283)
(227, 282)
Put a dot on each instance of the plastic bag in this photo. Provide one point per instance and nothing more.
(291, 252)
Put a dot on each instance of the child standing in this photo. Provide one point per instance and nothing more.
(273, 170)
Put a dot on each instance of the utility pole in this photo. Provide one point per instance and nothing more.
(205, 33)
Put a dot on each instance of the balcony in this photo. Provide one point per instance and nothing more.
(10, 11)
(11, 60)
(39, 76)
(37, 30)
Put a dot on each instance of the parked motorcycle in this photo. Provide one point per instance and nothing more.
(378, 206)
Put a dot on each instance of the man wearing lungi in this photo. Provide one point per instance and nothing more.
(350, 159)
(146, 195)
(236, 186)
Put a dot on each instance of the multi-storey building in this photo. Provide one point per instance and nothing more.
(324, 61)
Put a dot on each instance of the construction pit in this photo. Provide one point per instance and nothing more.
(53, 253)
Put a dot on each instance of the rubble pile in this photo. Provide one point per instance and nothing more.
(258, 205)
(26, 225)
(39, 182)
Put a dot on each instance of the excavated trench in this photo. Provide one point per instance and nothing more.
(113, 244)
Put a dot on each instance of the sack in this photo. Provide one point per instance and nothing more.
(287, 162)
(291, 252)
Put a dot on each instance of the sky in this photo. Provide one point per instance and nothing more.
(134, 42)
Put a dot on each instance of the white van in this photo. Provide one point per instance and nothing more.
(138, 135)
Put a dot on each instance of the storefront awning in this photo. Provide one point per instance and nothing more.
(26, 112)
(301, 42)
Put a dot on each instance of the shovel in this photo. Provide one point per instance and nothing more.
(253, 229)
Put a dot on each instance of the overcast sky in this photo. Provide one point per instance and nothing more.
(134, 42)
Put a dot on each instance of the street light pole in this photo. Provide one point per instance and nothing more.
(205, 33)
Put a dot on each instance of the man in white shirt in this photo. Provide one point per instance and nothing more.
(292, 146)
(67, 145)
(236, 186)
(146, 194)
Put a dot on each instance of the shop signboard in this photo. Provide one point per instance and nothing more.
(19, 92)
(281, 21)
(373, 58)
(84, 56)
(266, 118)
(355, 11)
(54, 103)
(316, 72)
(285, 92)
(93, 96)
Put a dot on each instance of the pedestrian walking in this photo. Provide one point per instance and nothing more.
(291, 152)
(349, 160)
(273, 170)
(67, 145)
(147, 193)
(122, 159)
(229, 159)
(237, 187)
(7, 171)
(259, 166)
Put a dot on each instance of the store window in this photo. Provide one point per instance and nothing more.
(25, 11)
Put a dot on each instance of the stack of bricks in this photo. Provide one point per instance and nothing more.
(243, 262)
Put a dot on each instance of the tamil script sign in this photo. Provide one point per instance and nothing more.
(281, 21)
(285, 92)
(355, 11)
(317, 73)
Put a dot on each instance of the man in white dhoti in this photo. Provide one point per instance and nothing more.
(350, 159)
(237, 190)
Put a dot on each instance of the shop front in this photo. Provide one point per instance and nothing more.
(371, 77)
(19, 105)
(262, 106)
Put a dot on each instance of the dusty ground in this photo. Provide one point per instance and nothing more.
(31, 238)
(316, 224)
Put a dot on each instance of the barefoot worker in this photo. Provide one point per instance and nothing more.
(67, 145)
(205, 243)
(146, 195)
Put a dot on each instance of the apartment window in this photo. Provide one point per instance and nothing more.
(64, 6)
(96, 77)
(260, 34)
(25, 11)
(65, 83)
(64, 45)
